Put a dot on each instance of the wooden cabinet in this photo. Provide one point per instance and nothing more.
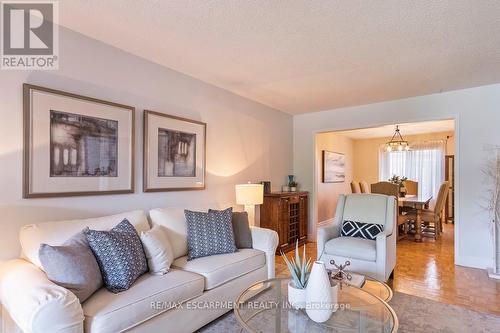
(287, 214)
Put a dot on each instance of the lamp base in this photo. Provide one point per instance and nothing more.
(250, 209)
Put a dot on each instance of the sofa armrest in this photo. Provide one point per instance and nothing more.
(324, 234)
(36, 304)
(266, 240)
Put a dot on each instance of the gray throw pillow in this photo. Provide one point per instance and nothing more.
(72, 266)
(241, 230)
(209, 233)
(119, 254)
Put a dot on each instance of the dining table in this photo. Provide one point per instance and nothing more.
(418, 202)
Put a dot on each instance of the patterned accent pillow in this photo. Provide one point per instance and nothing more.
(119, 254)
(241, 230)
(209, 233)
(361, 230)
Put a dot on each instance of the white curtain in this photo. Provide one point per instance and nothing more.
(424, 163)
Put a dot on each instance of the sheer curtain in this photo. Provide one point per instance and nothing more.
(424, 163)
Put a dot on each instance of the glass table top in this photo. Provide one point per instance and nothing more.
(264, 307)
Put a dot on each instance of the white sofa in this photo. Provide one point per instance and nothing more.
(375, 258)
(32, 303)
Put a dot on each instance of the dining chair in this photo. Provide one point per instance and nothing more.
(411, 187)
(355, 187)
(364, 187)
(386, 188)
(432, 218)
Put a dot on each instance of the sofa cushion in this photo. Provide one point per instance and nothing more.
(120, 255)
(150, 296)
(221, 268)
(158, 250)
(56, 233)
(174, 220)
(241, 230)
(209, 233)
(352, 247)
(72, 266)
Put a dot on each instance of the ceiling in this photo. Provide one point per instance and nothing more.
(305, 56)
(407, 129)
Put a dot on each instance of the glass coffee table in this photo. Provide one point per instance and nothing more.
(264, 307)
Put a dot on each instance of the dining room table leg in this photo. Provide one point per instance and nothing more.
(418, 225)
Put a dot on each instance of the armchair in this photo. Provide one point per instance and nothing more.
(375, 258)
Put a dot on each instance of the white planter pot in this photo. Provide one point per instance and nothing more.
(296, 296)
(319, 300)
(293, 189)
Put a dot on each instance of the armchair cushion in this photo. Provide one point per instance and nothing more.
(352, 247)
(361, 230)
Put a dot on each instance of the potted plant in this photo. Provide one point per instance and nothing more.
(299, 271)
(292, 184)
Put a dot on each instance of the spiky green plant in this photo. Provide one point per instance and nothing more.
(299, 270)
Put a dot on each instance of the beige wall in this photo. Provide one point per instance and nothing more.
(361, 164)
(328, 193)
(246, 141)
(365, 153)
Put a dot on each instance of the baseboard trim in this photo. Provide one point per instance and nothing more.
(474, 262)
(326, 222)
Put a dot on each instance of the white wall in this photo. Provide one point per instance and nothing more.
(477, 112)
(246, 141)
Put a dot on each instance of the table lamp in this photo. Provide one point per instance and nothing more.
(250, 195)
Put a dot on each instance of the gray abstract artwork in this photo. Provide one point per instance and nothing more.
(82, 146)
(176, 153)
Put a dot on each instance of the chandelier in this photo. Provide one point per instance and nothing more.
(397, 142)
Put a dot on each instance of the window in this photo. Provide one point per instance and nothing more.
(424, 163)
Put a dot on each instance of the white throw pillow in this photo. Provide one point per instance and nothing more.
(158, 250)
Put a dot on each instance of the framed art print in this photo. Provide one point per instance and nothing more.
(333, 167)
(174, 153)
(76, 145)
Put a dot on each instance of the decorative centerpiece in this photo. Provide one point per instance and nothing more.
(341, 275)
(400, 181)
(299, 271)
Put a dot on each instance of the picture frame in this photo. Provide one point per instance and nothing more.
(76, 145)
(174, 153)
(333, 167)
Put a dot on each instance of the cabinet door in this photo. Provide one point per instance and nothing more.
(283, 222)
(304, 217)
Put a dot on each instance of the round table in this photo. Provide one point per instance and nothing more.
(264, 307)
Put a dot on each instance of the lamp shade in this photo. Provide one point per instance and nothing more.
(249, 194)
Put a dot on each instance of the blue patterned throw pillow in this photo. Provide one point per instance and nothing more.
(361, 230)
(209, 233)
(119, 254)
